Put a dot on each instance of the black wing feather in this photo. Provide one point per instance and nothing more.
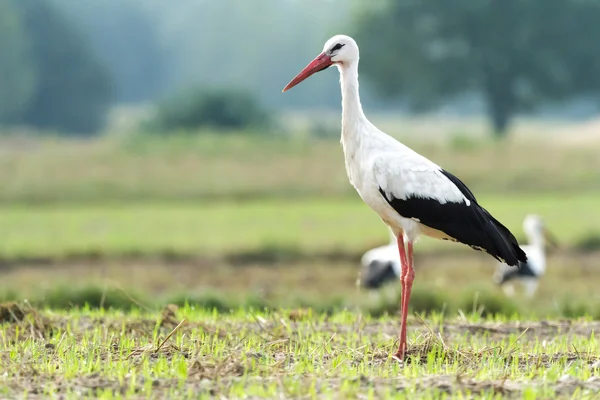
(468, 224)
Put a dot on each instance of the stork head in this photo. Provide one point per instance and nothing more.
(536, 230)
(339, 50)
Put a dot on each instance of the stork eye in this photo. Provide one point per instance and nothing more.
(337, 47)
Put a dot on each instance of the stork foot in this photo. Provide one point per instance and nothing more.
(399, 356)
(401, 352)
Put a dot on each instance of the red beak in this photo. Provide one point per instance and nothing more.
(320, 63)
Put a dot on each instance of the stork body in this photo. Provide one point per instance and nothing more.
(530, 271)
(411, 194)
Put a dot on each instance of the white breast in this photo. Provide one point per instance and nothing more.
(379, 160)
(536, 259)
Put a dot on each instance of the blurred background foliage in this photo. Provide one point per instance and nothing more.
(64, 87)
(513, 54)
(220, 108)
(66, 63)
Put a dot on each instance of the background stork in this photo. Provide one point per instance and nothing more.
(529, 272)
(380, 265)
(411, 194)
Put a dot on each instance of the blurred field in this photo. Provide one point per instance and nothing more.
(228, 221)
(179, 166)
(307, 228)
(445, 281)
(291, 354)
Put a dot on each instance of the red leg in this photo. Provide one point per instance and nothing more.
(404, 270)
(408, 279)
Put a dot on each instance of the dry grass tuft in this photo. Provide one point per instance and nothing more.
(12, 312)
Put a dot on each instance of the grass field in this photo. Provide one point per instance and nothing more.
(291, 354)
(302, 228)
(257, 239)
(180, 167)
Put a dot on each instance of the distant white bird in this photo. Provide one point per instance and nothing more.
(530, 271)
(381, 264)
(411, 194)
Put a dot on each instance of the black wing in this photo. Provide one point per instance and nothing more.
(468, 224)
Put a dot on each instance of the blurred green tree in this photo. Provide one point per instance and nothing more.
(17, 75)
(153, 47)
(73, 90)
(516, 53)
(125, 35)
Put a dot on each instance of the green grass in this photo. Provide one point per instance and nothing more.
(110, 354)
(208, 229)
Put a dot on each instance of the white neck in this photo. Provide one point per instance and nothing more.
(352, 112)
(537, 239)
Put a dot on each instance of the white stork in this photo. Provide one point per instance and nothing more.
(411, 194)
(381, 264)
(530, 271)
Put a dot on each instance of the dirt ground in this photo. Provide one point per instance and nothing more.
(570, 276)
(159, 275)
